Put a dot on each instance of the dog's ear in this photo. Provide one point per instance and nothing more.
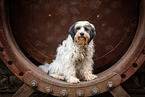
(92, 32)
(72, 31)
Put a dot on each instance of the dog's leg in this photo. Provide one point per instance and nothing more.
(70, 75)
(89, 76)
(72, 79)
(87, 70)
(57, 76)
(44, 68)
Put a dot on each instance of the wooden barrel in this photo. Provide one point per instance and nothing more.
(30, 32)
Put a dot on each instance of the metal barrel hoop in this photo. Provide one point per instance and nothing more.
(34, 78)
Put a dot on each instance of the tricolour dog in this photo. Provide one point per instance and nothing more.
(74, 58)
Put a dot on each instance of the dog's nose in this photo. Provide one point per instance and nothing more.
(81, 33)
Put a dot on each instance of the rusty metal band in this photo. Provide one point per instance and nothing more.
(25, 70)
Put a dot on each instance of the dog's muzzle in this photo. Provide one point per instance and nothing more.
(81, 34)
(81, 38)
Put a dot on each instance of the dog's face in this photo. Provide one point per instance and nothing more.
(82, 32)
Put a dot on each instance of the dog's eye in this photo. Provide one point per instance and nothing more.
(86, 29)
(78, 28)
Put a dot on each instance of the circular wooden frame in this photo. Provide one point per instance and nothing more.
(33, 77)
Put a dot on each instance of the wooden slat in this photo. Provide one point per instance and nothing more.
(24, 91)
(119, 92)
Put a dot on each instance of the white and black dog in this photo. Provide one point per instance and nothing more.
(74, 59)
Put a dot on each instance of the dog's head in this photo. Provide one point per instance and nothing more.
(82, 32)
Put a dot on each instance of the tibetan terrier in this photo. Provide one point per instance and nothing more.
(74, 59)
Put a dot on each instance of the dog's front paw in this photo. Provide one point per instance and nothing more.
(90, 77)
(57, 76)
(73, 80)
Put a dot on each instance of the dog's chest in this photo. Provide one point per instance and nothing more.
(81, 53)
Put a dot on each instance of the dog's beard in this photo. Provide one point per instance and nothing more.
(81, 40)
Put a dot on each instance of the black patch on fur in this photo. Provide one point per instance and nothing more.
(92, 34)
(72, 31)
(48, 72)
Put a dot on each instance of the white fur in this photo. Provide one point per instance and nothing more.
(72, 61)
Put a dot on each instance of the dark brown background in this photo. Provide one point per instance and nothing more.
(39, 26)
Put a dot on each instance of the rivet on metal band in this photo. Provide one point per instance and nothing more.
(34, 83)
(63, 93)
(95, 91)
(48, 90)
(79, 93)
(110, 84)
